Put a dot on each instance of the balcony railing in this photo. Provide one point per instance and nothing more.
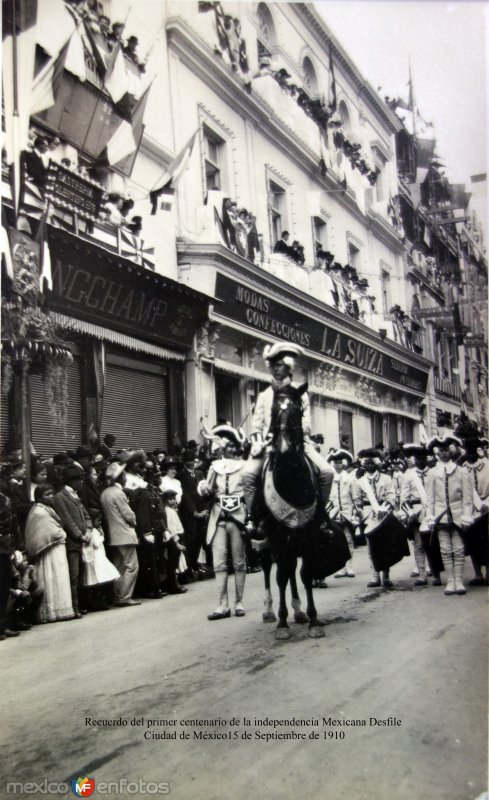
(449, 388)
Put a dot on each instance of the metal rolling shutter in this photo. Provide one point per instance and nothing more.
(135, 407)
(45, 436)
(4, 421)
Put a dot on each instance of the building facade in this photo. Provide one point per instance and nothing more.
(231, 123)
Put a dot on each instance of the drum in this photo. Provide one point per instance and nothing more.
(476, 539)
(330, 550)
(431, 546)
(387, 541)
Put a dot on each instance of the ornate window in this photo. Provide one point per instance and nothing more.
(266, 32)
(310, 79)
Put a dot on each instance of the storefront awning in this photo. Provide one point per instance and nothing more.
(121, 339)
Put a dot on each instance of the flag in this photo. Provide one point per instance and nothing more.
(75, 56)
(45, 83)
(45, 278)
(126, 137)
(7, 254)
(133, 247)
(332, 85)
(220, 228)
(54, 26)
(121, 144)
(18, 60)
(175, 170)
(116, 80)
(166, 197)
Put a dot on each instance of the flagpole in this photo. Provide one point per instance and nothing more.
(15, 115)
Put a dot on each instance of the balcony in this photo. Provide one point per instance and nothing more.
(448, 388)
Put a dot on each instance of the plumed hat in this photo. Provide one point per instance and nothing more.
(414, 449)
(340, 455)
(370, 453)
(221, 435)
(282, 350)
(442, 441)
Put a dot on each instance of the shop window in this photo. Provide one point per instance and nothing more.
(346, 430)
(227, 398)
(214, 147)
(277, 210)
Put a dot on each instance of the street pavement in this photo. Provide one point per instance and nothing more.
(410, 657)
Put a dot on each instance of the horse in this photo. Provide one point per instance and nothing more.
(262, 548)
(292, 518)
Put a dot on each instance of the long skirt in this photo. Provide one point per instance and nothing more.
(54, 578)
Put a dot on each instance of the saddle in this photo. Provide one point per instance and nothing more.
(291, 515)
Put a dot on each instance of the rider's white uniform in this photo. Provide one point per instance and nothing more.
(260, 427)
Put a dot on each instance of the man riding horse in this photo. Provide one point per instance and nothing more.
(280, 358)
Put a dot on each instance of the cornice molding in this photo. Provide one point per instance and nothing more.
(237, 267)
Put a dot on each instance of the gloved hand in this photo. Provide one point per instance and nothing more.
(257, 449)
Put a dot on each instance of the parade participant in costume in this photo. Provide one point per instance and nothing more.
(413, 505)
(449, 500)
(227, 518)
(374, 495)
(340, 506)
(478, 467)
(280, 358)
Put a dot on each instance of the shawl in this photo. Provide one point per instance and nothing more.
(43, 530)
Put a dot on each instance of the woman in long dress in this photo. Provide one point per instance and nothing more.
(45, 542)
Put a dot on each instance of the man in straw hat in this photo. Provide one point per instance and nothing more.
(280, 358)
(121, 521)
(226, 525)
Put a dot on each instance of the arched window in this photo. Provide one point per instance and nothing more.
(266, 32)
(344, 116)
(266, 27)
(310, 80)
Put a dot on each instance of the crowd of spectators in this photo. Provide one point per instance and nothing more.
(98, 528)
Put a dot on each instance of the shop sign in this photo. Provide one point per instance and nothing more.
(72, 192)
(264, 315)
(92, 284)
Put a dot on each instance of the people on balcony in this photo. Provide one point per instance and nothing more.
(282, 245)
(36, 161)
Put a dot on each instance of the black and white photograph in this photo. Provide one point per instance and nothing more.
(244, 453)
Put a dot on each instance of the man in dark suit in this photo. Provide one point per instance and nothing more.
(282, 246)
(193, 510)
(77, 524)
(37, 161)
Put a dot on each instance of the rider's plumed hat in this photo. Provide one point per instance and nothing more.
(282, 350)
